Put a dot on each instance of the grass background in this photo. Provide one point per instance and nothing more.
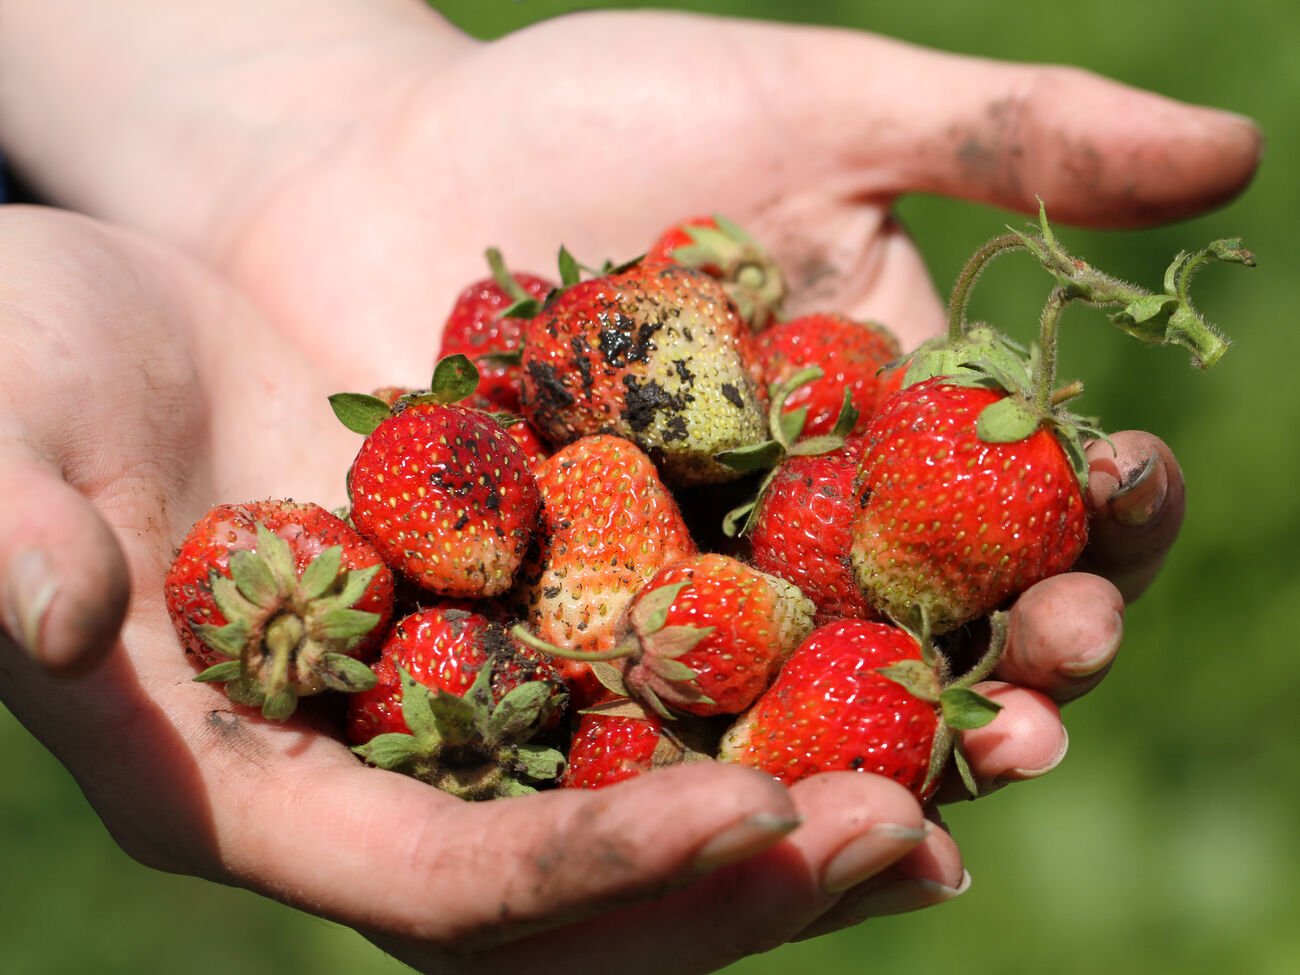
(1167, 842)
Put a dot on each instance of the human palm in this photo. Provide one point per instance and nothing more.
(339, 193)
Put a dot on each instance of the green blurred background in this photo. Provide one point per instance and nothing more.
(1168, 841)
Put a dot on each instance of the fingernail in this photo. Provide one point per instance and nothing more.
(1101, 657)
(1141, 494)
(29, 591)
(751, 835)
(1025, 774)
(912, 894)
(864, 856)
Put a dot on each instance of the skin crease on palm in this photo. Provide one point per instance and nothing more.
(304, 193)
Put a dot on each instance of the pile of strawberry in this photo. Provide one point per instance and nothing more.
(638, 518)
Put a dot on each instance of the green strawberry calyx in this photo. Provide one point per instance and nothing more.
(960, 708)
(287, 634)
(471, 746)
(455, 378)
(786, 427)
(748, 273)
(649, 642)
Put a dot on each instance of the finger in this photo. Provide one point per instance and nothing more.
(1097, 152)
(63, 578)
(1137, 498)
(423, 866)
(929, 874)
(1063, 635)
(853, 826)
(1024, 741)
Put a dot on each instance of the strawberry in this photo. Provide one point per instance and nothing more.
(486, 325)
(800, 529)
(724, 251)
(441, 490)
(851, 355)
(608, 524)
(705, 636)
(458, 703)
(278, 600)
(860, 695)
(610, 747)
(652, 352)
(956, 519)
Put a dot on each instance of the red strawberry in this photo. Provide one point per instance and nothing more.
(610, 747)
(653, 353)
(278, 600)
(705, 636)
(722, 250)
(800, 529)
(850, 354)
(441, 490)
(458, 704)
(608, 525)
(857, 695)
(486, 325)
(952, 524)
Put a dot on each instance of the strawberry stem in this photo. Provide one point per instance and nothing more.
(1045, 379)
(988, 662)
(537, 643)
(970, 273)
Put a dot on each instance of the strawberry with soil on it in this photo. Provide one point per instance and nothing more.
(441, 490)
(607, 525)
(655, 353)
(864, 696)
(723, 250)
(705, 636)
(459, 704)
(486, 325)
(278, 600)
(971, 485)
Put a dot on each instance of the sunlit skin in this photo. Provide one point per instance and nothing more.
(269, 208)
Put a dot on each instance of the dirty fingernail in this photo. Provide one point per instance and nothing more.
(1141, 494)
(907, 895)
(751, 835)
(864, 856)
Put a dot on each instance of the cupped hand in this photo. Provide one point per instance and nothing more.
(142, 387)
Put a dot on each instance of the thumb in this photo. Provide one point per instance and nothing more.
(63, 578)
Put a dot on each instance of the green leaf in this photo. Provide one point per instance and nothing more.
(964, 771)
(360, 412)
(523, 308)
(279, 559)
(233, 606)
(736, 521)
(817, 445)
(321, 573)
(355, 584)
(1008, 420)
(651, 610)
(669, 669)
(230, 640)
(345, 674)
(848, 416)
(520, 712)
(227, 670)
(278, 706)
(244, 690)
(254, 579)
(570, 270)
(344, 625)
(417, 711)
(454, 378)
(610, 677)
(391, 750)
(753, 457)
(789, 424)
(456, 718)
(965, 710)
(540, 763)
(673, 641)
(917, 678)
